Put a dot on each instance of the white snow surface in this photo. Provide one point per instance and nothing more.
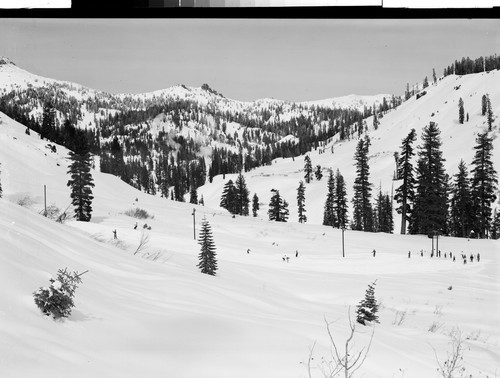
(136, 317)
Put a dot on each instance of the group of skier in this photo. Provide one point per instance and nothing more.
(451, 256)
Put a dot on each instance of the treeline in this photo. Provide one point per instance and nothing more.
(467, 66)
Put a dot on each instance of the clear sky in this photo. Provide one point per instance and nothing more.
(246, 59)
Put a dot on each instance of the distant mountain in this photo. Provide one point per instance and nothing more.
(156, 141)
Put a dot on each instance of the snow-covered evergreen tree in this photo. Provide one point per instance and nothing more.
(228, 197)
(461, 218)
(307, 169)
(278, 208)
(241, 191)
(207, 257)
(461, 111)
(362, 208)
(329, 218)
(367, 309)
(340, 205)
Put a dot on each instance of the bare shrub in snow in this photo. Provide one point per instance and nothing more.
(52, 212)
(452, 366)
(143, 243)
(400, 317)
(138, 213)
(438, 310)
(435, 326)
(25, 201)
(57, 299)
(342, 361)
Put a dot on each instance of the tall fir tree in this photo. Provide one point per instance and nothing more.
(207, 257)
(405, 193)
(307, 169)
(495, 226)
(255, 205)
(430, 204)
(426, 82)
(461, 217)
(329, 209)
(484, 104)
(242, 196)
(340, 205)
(229, 197)
(434, 78)
(48, 128)
(301, 199)
(383, 211)
(461, 111)
(484, 184)
(376, 122)
(193, 195)
(362, 208)
(81, 183)
(278, 208)
(489, 114)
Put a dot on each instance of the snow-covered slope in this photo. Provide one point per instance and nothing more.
(440, 105)
(154, 314)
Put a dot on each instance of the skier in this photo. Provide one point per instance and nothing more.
(114, 233)
(422, 253)
(478, 257)
(248, 250)
(374, 252)
(471, 257)
(296, 253)
(135, 227)
(409, 254)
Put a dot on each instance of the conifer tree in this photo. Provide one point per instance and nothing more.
(301, 202)
(405, 193)
(228, 197)
(255, 205)
(340, 205)
(193, 195)
(489, 113)
(278, 208)
(484, 183)
(376, 122)
(484, 104)
(317, 173)
(81, 183)
(383, 212)
(495, 225)
(430, 204)
(362, 209)
(461, 111)
(242, 193)
(434, 79)
(461, 219)
(426, 82)
(48, 128)
(367, 309)
(307, 169)
(207, 257)
(329, 210)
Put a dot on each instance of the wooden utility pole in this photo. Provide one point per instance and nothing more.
(194, 223)
(45, 200)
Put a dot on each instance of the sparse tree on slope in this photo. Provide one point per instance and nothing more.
(430, 204)
(426, 82)
(301, 202)
(484, 183)
(255, 205)
(461, 111)
(461, 220)
(228, 198)
(489, 113)
(340, 205)
(484, 104)
(81, 183)
(307, 169)
(434, 79)
(278, 208)
(362, 209)
(405, 193)
(329, 211)
(207, 256)
(383, 211)
(242, 200)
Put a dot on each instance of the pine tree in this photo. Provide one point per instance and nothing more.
(495, 226)
(81, 183)
(255, 205)
(193, 195)
(461, 219)
(376, 122)
(426, 82)
(228, 197)
(367, 309)
(301, 202)
(461, 112)
(329, 210)
(489, 114)
(484, 104)
(434, 79)
(307, 169)
(484, 183)
(383, 211)
(48, 128)
(208, 262)
(317, 173)
(278, 208)
(430, 204)
(242, 193)
(362, 209)
(340, 206)
(405, 193)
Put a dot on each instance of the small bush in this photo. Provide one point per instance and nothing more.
(138, 213)
(57, 299)
(52, 212)
(25, 201)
